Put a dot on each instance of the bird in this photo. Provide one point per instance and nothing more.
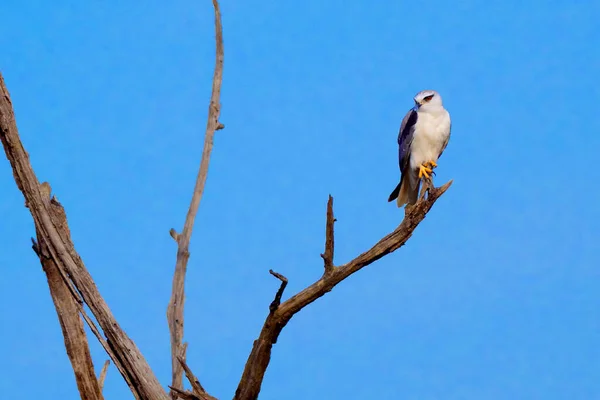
(423, 137)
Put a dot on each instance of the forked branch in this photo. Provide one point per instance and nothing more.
(258, 360)
(176, 303)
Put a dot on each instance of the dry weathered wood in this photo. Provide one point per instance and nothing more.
(140, 377)
(59, 217)
(71, 325)
(176, 303)
(184, 394)
(102, 341)
(329, 239)
(260, 355)
(197, 388)
(277, 300)
(102, 376)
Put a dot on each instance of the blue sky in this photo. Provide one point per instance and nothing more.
(495, 296)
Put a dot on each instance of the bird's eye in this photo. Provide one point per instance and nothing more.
(427, 98)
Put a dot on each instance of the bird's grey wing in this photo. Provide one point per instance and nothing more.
(405, 137)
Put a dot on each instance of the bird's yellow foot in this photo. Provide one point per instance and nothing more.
(432, 164)
(424, 171)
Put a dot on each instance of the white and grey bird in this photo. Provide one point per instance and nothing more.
(423, 136)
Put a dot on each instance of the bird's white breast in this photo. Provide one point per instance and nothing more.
(431, 132)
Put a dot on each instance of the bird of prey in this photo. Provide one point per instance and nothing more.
(423, 136)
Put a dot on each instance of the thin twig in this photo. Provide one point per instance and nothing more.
(258, 360)
(102, 376)
(277, 300)
(329, 238)
(197, 388)
(105, 345)
(184, 394)
(176, 304)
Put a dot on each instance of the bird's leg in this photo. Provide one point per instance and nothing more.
(424, 171)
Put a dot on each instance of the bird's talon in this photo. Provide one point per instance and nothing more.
(424, 171)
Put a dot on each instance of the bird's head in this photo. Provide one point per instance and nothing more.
(428, 100)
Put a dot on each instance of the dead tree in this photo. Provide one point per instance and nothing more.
(72, 287)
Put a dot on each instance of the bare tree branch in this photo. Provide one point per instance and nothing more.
(52, 234)
(71, 324)
(102, 376)
(277, 301)
(197, 388)
(53, 273)
(99, 336)
(176, 303)
(258, 360)
(184, 394)
(58, 211)
(329, 239)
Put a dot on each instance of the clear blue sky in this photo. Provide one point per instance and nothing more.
(495, 296)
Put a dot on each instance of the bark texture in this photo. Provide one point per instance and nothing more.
(71, 324)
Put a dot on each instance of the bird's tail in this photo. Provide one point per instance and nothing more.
(407, 191)
(394, 194)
